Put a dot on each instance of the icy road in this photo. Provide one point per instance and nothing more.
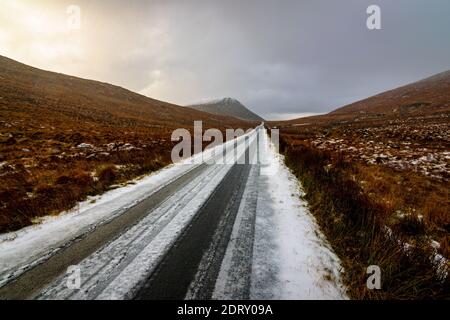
(190, 231)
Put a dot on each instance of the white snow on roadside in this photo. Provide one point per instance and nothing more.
(23, 249)
(291, 258)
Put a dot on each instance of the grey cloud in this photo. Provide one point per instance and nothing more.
(278, 57)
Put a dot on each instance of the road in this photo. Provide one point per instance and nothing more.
(167, 246)
(232, 226)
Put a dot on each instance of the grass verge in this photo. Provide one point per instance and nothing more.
(358, 228)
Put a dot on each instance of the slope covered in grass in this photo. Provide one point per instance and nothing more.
(63, 138)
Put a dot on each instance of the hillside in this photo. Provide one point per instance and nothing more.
(228, 107)
(37, 92)
(404, 128)
(63, 138)
(377, 176)
(427, 96)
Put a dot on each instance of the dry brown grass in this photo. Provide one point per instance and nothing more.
(377, 176)
(370, 218)
(63, 139)
(408, 190)
(52, 176)
(43, 183)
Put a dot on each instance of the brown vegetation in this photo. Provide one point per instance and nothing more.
(365, 229)
(63, 138)
(376, 175)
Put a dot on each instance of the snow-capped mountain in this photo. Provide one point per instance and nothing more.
(228, 107)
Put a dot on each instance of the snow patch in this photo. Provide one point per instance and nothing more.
(292, 259)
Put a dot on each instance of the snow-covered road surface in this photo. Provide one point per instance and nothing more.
(227, 231)
(291, 258)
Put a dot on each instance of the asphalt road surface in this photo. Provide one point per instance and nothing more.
(171, 245)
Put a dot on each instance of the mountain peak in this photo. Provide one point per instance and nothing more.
(229, 107)
(229, 100)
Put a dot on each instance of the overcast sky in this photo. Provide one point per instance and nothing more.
(280, 58)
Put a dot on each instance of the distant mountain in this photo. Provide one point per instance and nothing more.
(425, 96)
(228, 107)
